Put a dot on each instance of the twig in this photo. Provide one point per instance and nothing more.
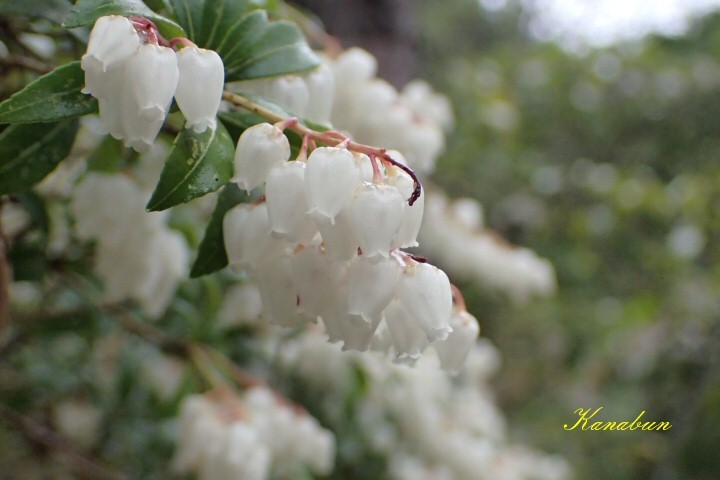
(83, 465)
(332, 138)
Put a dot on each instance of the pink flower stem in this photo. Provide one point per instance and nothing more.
(458, 298)
(332, 138)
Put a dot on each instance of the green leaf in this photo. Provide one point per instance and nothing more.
(28, 152)
(189, 14)
(198, 163)
(211, 253)
(218, 17)
(254, 47)
(54, 96)
(85, 12)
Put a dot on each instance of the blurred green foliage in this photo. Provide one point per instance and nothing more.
(608, 164)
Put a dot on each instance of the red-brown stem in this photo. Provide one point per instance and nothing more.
(150, 29)
(458, 297)
(377, 176)
(302, 155)
(332, 138)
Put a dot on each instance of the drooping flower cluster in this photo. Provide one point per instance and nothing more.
(135, 78)
(346, 91)
(306, 95)
(426, 424)
(453, 233)
(325, 244)
(137, 256)
(223, 436)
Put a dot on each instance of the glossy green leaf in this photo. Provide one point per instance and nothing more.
(254, 47)
(198, 163)
(218, 17)
(211, 253)
(28, 152)
(85, 12)
(54, 96)
(189, 14)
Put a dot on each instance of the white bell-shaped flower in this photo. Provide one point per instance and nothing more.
(200, 87)
(331, 177)
(409, 340)
(339, 238)
(455, 348)
(246, 231)
(321, 89)
(277, 290)
(151, 75)
(259, 149)
(110, 107)
(376, 214)
(290, 92)
(168, 256)
(425, 291)
(412, 214)
(371, 286)
(286, 202)
(112, 40)
(352, 330)
(314, 275)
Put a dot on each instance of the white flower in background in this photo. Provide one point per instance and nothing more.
(137, 257)
(79, 421)
(452, 233)
(200, 86)
(426, 424)
(251, 436)
(241, 306)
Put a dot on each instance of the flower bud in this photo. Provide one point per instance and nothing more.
(454, 349)
(424, 291)
(330, 180)
(200, 86)
(259, 149)
(376, 214)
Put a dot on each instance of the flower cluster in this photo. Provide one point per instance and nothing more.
(346, 91)
(224, 436)
(325, 243)
(135, 78)
(427, 424)
(137, 256)
(307, 95)
(453, 233)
